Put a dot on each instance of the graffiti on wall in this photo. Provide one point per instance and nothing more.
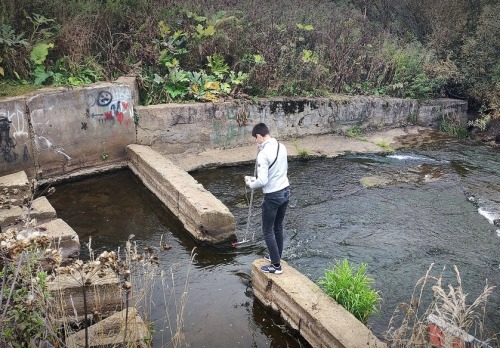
(7, 144)
(13, 132)
(107, 107)
(227, 123)
(184, 116)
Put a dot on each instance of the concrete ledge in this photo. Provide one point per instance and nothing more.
(14, 189)
(177, 128)
(307, 309)
(203, 215)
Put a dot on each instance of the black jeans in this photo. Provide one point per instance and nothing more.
(273, 213)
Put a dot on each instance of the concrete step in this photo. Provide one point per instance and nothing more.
(110, 332)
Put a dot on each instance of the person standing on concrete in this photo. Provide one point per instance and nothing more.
(272, 171)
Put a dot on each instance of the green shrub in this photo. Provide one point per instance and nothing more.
(417, 73)
(452, 125)
(352, 289)
(399, 48)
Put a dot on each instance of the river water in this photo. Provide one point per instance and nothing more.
(398, 213)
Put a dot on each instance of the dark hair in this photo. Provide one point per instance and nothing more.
(261, 129)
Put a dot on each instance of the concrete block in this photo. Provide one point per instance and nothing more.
(110, 332)
(41, 210)
(430, 112)
(205, 217)
(15, 188)
(155, 180)
(103, 295)
(63, 238)
(173, 124)
(131, 82)
(307, 309)
(443, 334)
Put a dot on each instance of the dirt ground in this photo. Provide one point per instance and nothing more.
(328, 145)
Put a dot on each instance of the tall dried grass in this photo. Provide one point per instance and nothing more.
(409, 324)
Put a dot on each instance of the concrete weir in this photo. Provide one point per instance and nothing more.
(58, 134)
(306, 308)
(203, 215)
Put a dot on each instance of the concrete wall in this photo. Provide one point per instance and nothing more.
(54, 132)
(176, 128)
(59, 132)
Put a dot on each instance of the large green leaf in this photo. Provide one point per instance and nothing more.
(40, 52)
(41, 75)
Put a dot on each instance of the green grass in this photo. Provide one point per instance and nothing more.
(13, 89)
(303, 153)
(352, 289)
(354, 132)
(451, 125)
(385, 145)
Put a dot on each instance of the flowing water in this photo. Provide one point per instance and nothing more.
(398, 213)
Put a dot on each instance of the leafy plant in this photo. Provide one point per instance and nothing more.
(181, 84)
(9, 38)
(37, 56)
(418, 73)
(104, 155)
(306, 27)
(309, 56)
(481, 122)
(351, 288)
(217, 65)
(9, 41)
(42, 27)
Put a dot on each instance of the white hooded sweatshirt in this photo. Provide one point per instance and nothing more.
(272, 167)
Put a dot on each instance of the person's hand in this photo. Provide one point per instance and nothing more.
(249, 180)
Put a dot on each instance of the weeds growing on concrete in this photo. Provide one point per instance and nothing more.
(303, 153)
(409, 325)
(355, 132)
(452, 125)
(385, 145)
(24, 298)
